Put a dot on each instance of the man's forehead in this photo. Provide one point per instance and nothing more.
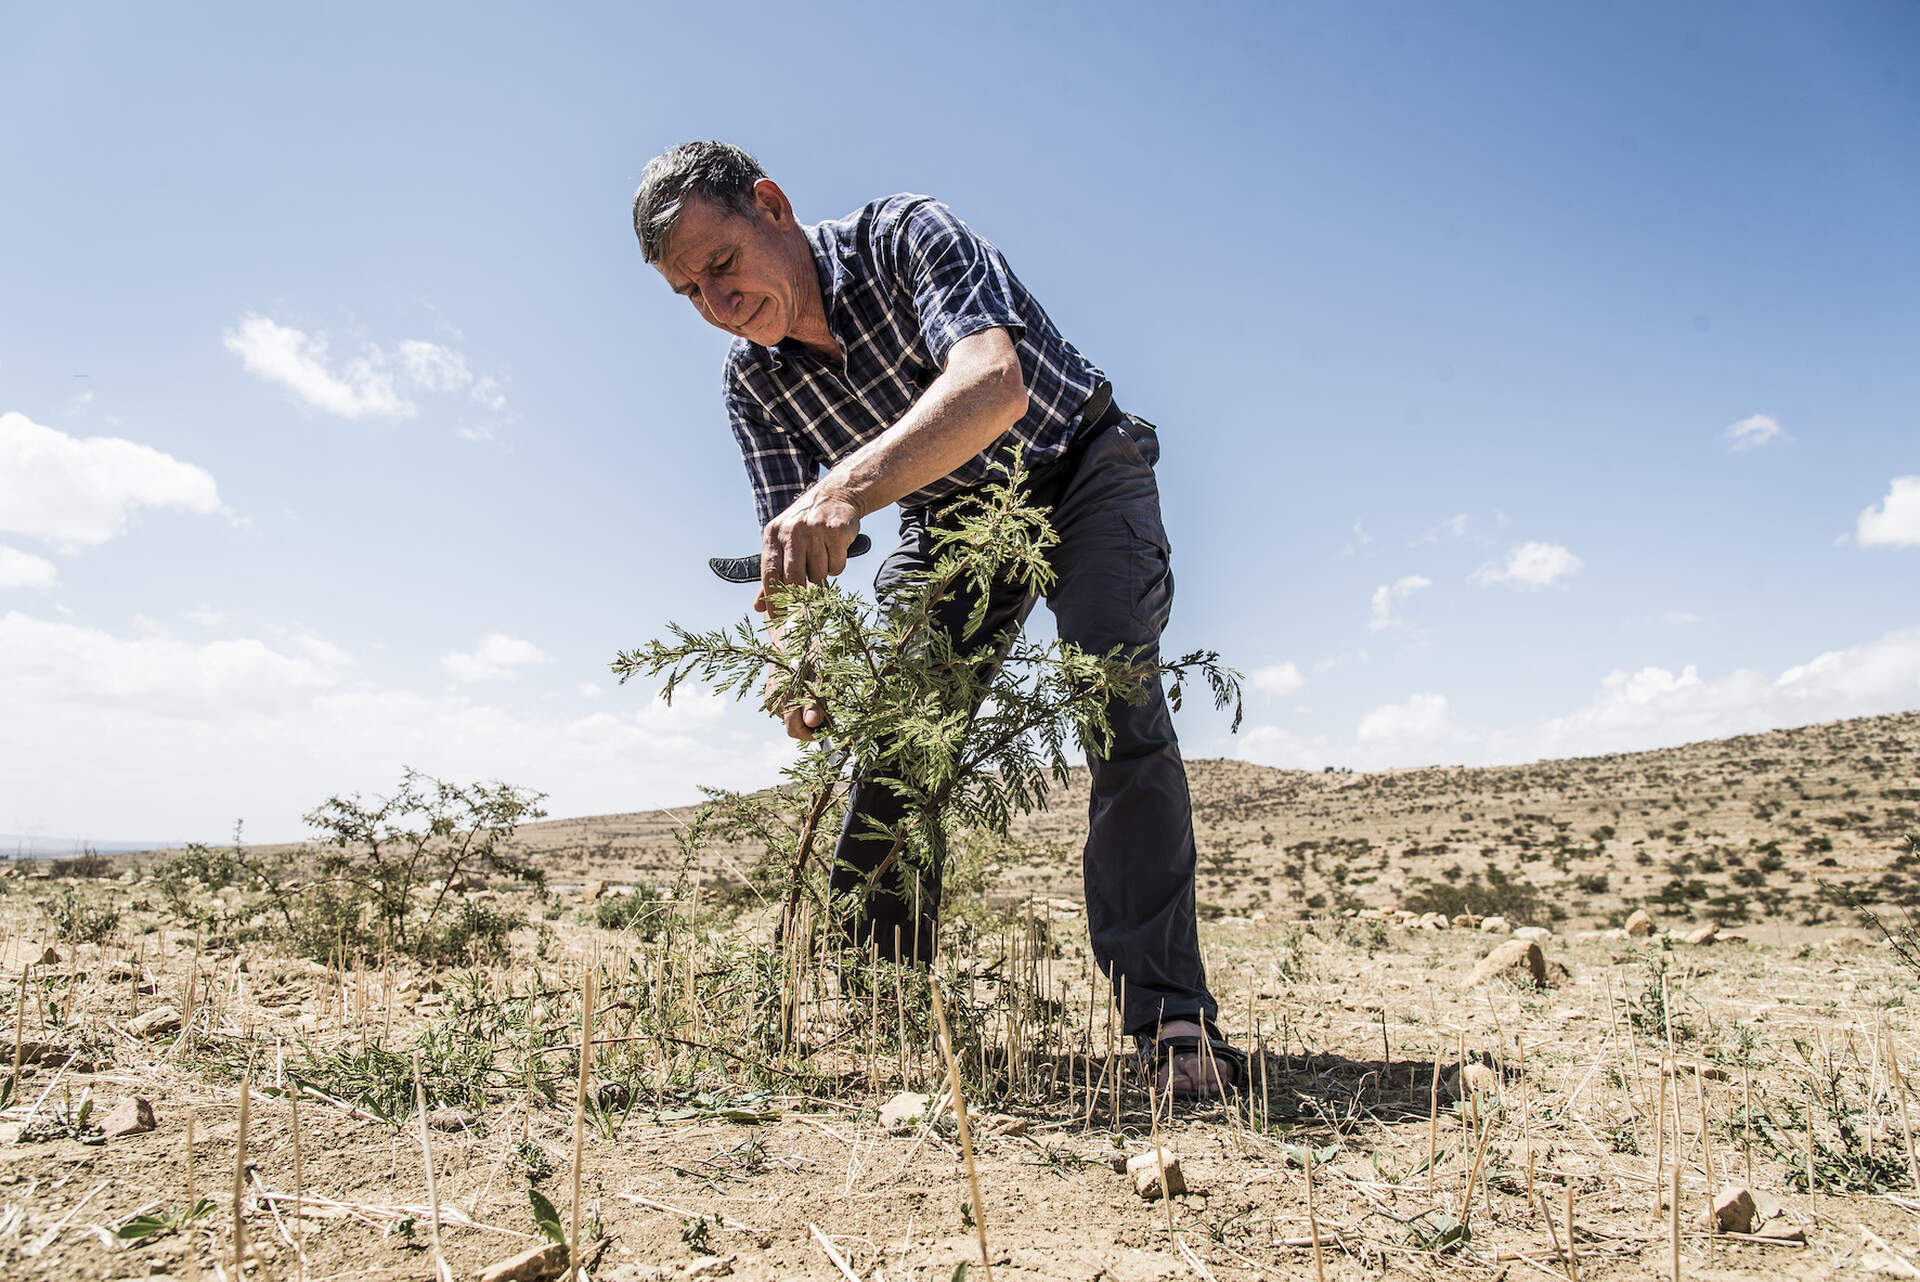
(702, 231)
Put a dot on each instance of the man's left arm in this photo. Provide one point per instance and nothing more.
(976, 398)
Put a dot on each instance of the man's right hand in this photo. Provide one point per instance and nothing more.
(802, 719)
(808, 542)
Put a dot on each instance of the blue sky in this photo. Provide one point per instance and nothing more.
(1533, 380)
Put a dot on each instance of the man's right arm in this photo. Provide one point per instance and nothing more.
(779, 472)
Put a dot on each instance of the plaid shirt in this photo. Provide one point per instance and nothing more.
(903, 281)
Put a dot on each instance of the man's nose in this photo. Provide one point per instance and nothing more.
(721, 303)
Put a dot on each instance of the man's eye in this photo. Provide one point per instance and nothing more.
(726, 265)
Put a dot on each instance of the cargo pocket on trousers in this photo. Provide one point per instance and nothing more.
(1151, 571)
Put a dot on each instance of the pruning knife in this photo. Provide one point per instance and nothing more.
(746, 569)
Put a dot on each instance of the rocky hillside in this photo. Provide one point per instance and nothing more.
(1782, 825)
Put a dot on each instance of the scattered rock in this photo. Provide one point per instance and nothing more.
(1431, 921)
(1766, 1206)
(50, 958)
(1465, 921)
(714, 1266)
(531, 1265)
(1496, 925)
(1877, 1257)
(1783, 1232)
(1703, 934)
(1145, 1169)
(1733, 1211)
(612, 1095)
(1519, 960)
(1639, 925)
(1478, 1079)
(592, 888)
(157, 1022)
(1003, 1124)
(452, 1119)
(131, 1116)
(901, 1112)
(1538, 934)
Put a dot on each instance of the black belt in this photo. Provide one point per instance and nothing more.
(1047, 482)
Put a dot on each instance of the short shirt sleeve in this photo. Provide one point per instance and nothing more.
(778, 469)
(960, 283)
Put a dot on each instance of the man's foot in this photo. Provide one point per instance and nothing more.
(1194, 1073)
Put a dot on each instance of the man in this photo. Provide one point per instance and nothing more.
(896, 350)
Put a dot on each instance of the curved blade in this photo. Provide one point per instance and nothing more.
(746, 569)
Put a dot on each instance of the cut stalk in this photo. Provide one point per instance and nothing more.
(960, 1121)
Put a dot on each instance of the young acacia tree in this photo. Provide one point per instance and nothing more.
(903, 695)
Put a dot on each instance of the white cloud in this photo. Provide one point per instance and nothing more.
(367, 386)
(145, 735)
(1656, 707)
(1423, 717)
(280, 354)
(1530, 566)
(1894, 522)
(1751, 433)
(436, 368)
(1455, 527)
(1285, 749)
(74, 491)
(494, 659)
(589, 690)
(22, 570)
(1277, 679)
(1384, 597)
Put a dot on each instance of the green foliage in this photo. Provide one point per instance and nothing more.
(387, 867)
(383, 880)
(140, 1227)
(899, 692)
(78, 919)
(546, 1218)
(1500, 895)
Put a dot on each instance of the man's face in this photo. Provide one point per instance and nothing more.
(739, 272)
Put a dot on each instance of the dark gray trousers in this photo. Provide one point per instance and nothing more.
(1113, 586)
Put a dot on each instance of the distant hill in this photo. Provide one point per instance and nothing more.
(1780, 824)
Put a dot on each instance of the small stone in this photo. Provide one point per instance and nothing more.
(1003, 1124)
(452, 1119)
(1145, 1169)
(1733, 1211)
(1495, 925)
(131, 1116)
(157, 1022)
(1478, 1079)
(900, 1113)
(1766, 1206)
(716, 1266)
(1518, 959)
(611, 1095)
(1703, 934)
(1877, 1257)
(1538, 934)
(1783, 1232)
(592, 888)
(532, 1265)
(1639, 925)
(1465, 921)
(50, 958)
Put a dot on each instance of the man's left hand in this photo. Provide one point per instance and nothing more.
(808, 542)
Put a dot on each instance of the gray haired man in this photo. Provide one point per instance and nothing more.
(892, 356)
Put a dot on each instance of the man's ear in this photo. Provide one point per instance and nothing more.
(772, 202)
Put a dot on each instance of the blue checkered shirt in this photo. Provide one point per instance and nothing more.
(903, 280)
